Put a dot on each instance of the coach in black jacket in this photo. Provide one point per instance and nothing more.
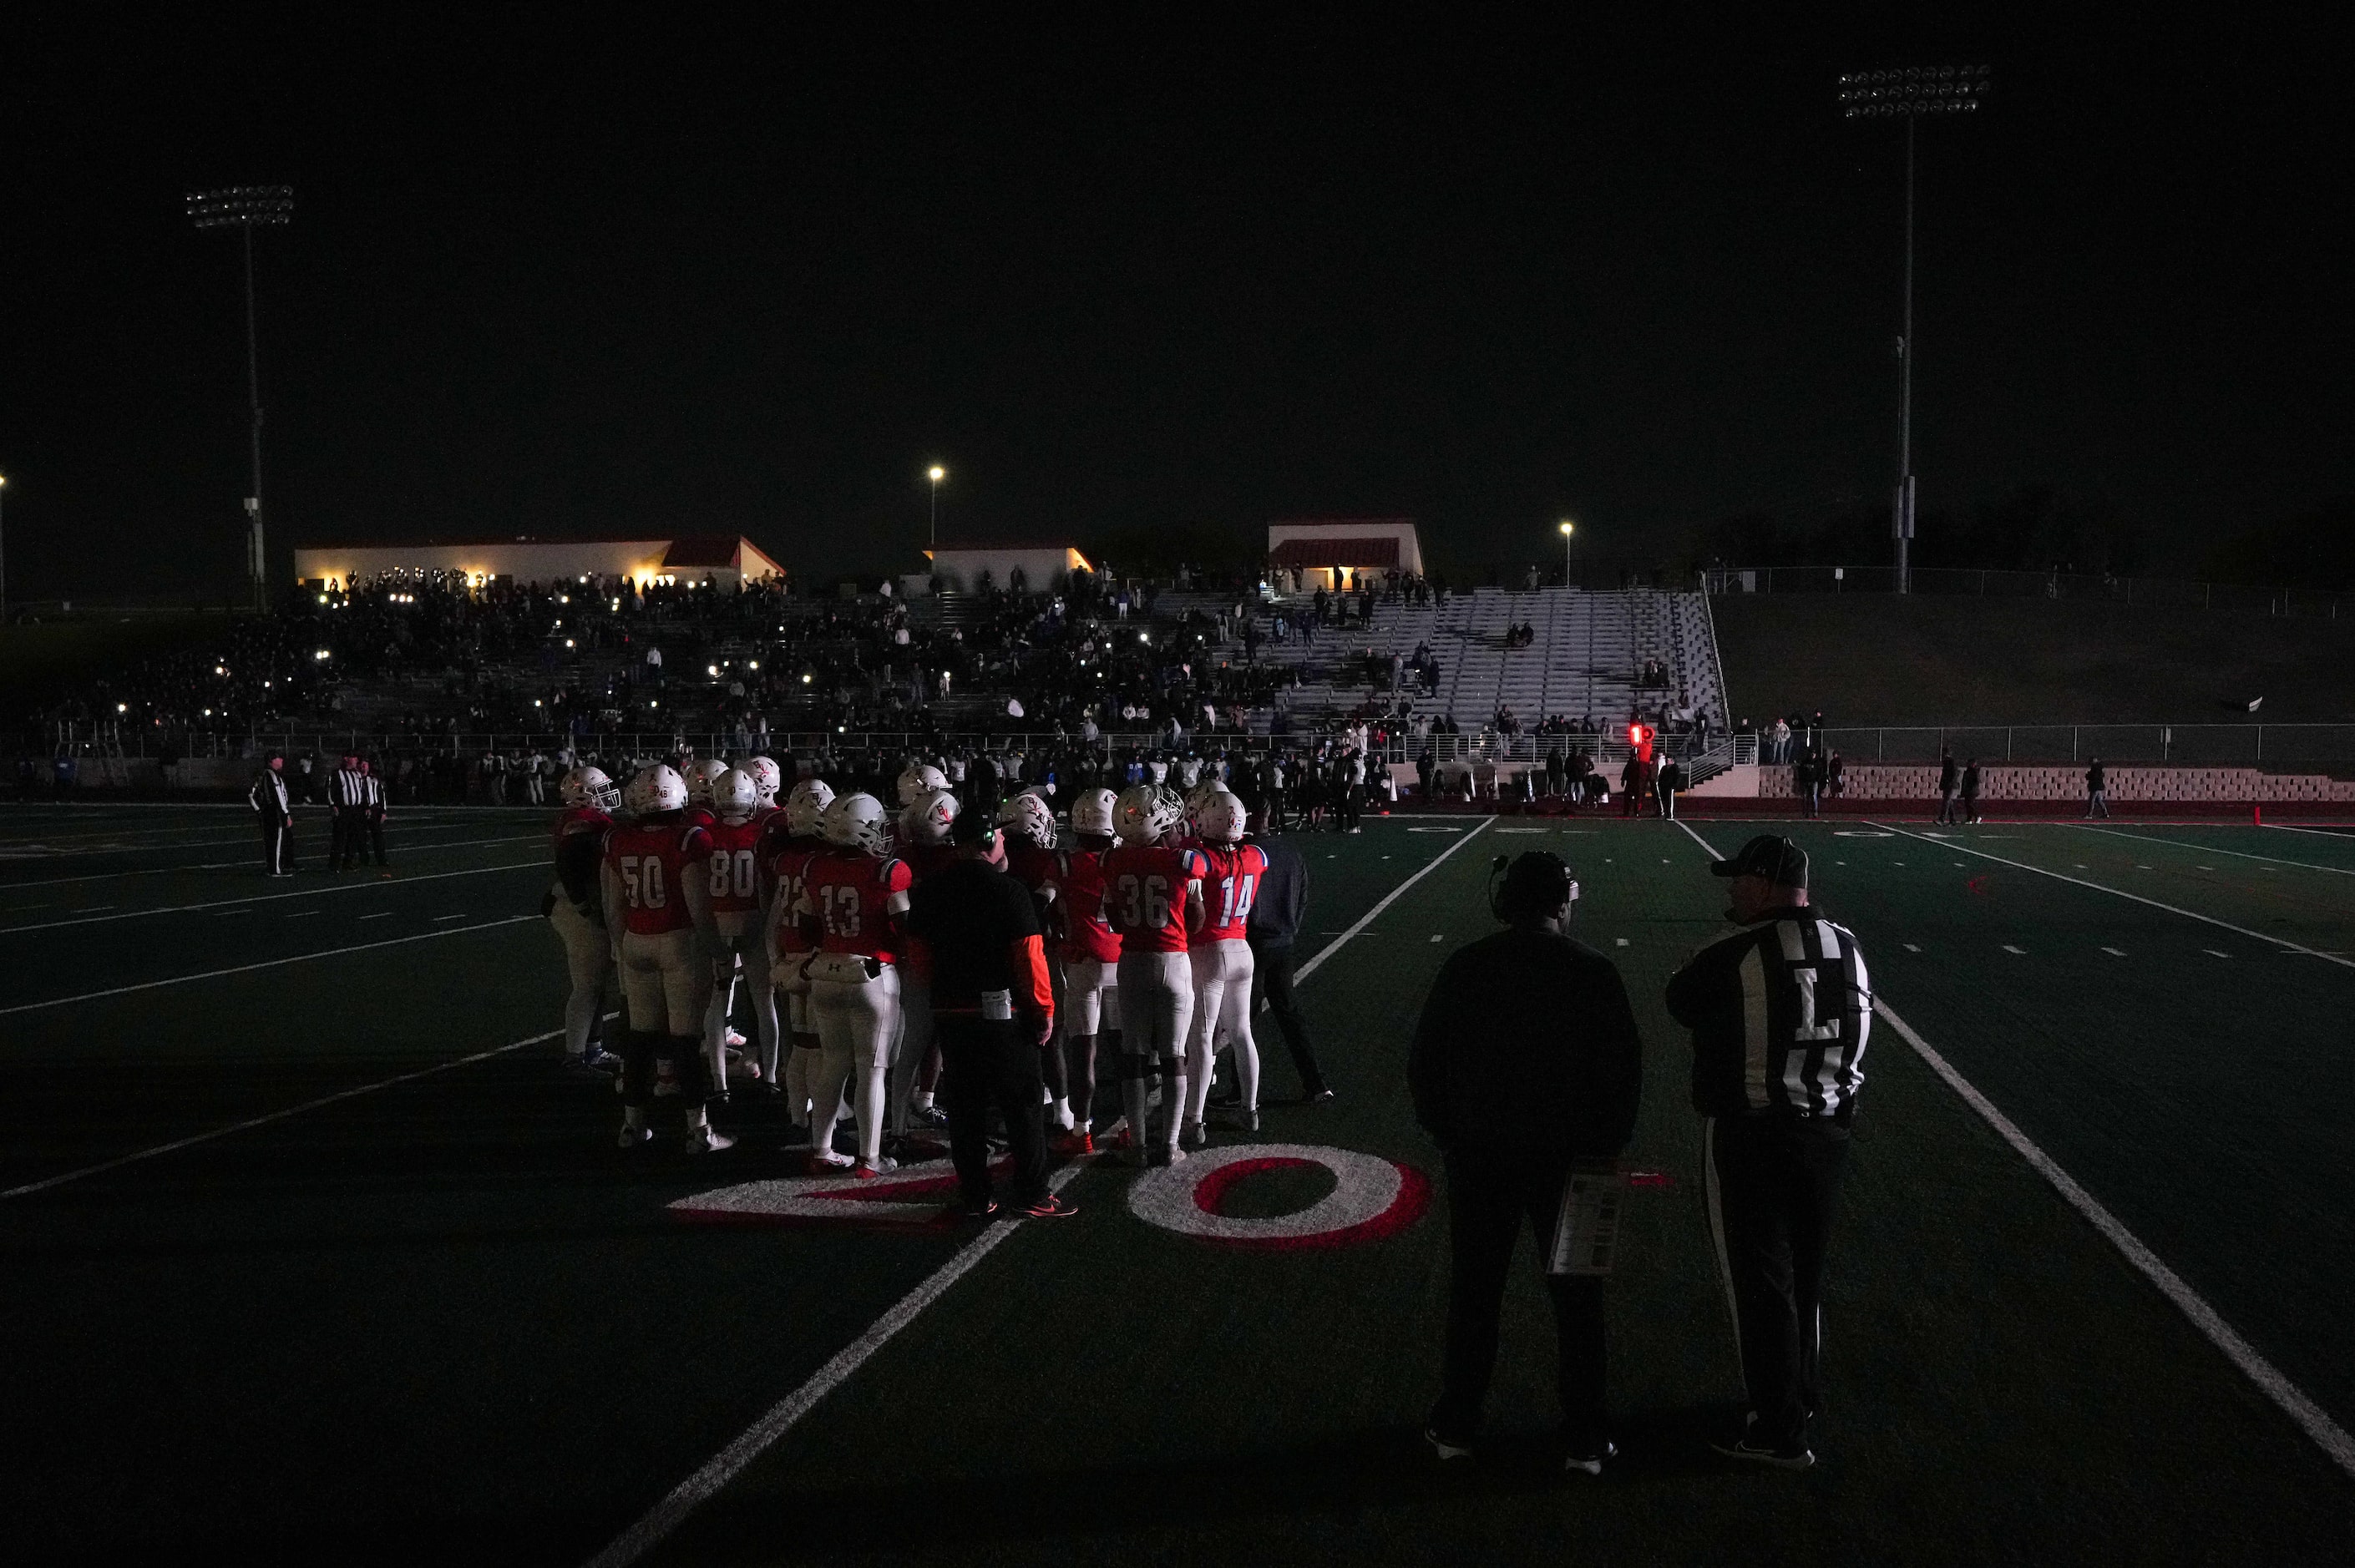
(1780, 1013)
(1526, 1060)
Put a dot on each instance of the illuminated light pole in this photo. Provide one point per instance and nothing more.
(1910, 94)
(248, 207)
(936, 474)
(1568, 528)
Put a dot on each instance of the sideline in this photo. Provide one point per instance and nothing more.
(265, 964)
(2293, 1402)
(2213, 849)
(250, 1122)
(247, 861)
(373, 884)
(1961, 848)
(724, 1467)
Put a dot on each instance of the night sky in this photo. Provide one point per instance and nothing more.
(1169, 272)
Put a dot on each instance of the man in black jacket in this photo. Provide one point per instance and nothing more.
(1779, 1013)
(1950, 779)
(1273, 926)
(1526, 1060)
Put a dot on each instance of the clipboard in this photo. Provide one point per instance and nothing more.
(1586, 1235)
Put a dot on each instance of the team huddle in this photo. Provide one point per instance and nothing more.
(690, 883)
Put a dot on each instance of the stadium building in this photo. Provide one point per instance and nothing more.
(1334, 552)
(729, 560)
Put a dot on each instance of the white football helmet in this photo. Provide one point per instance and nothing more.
(1146, 812)
(1032, 817)
(767, 779)
(699, 776)
(1220, 818)
(654, 790)
(734, 797)
(918, 780)
(589, 787)
(927, 821)
(810, 797)
(1092, 812)
(854, 822)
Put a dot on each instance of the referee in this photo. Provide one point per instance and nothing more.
(1779, 1013)
(993, 1013)
(1525, 1061)
(347, 797)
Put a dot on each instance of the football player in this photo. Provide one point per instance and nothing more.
(699, 775)
(917, 781)
(575, 908)
(1221, 963)
(1090, 950)
(915, 1062)
(658, 912)
(852, 901)
(1153, 897)
(790, 842)
(1198, 800)
(733, 858)
(1029, 828)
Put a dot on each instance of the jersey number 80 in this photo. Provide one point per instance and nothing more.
(732, 873)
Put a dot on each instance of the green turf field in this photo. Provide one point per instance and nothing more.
(430, 1314)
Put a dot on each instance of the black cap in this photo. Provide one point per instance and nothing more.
(1778, 860)
(973, 829)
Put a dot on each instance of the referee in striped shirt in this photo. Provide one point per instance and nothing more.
(1779, 1013)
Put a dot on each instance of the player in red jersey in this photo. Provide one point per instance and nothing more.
(1029, 826)
(657, 907)
(1222, 961)
(1090, 950)
(733, 858)
(925, 844)
(700, 774)
(1153, 897)
(852, 901)
(576, 908)
(790, 839)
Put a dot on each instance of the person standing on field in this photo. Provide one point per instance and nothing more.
(2097, 791)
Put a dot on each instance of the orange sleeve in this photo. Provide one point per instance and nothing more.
(1033, 992)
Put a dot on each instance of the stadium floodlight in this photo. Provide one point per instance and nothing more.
(1910, 94)
(247, 209)
(1568, 528)
(936, 474)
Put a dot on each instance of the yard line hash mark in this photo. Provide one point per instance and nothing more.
(2010, 948)
(2115, 952)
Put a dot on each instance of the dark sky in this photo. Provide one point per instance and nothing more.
(1167, 272)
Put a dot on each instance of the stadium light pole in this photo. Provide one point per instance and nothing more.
(1568, 528)
(246, 208)
(1910, 94)
(936, 474)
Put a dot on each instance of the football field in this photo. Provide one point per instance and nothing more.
(310, 1250)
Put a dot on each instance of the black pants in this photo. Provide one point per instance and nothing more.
(1489, 1197)
(1272, 985)
(1946, 812)
(375, 839)
(277, 846)
(987, 1062)
(343, 837)
(1774, 1185)
(1346, 809)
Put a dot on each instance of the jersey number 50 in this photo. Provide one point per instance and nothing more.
(642, 879)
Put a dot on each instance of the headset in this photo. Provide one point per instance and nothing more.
(1540, 875)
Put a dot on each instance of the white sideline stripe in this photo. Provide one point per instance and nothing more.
(2219, 849)
(250, 1122)
(267, 898)
(724, 1467)
(2318, 832)
(2310, 1417)
(161, 837)
(405, 844)
(2155, 904)
(265, 964)
(1698, 839)
(1334, 946)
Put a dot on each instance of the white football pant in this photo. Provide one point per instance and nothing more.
(742, 939)
(665, 982)
(855, 1026)
(1157, 1007)
(1222, 989)
(908, 1051)
(1091, 996)
(588, 955)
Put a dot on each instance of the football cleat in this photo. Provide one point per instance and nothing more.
(928, 1115)
(1792, 1455)
(595, 1062)
(1588, 1459)
(1444, 1448)
(1074, 1144)
(985, 1210)
(634, 1136)
(1193, 1137)
(705, 1139)
(827, 1159)
(883, 1166)
(1049, 1207)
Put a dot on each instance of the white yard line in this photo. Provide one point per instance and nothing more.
(246, 863)
(782, 1417)
(250, 1122)
(269, 897)
(2311, 1419)
(2138, 898)
(2216, 849)
(265, 964)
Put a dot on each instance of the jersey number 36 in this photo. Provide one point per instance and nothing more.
(1144, 903)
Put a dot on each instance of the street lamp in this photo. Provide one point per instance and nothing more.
(1568, 528)
(1911, 93)
(248, 207)
(936, 474)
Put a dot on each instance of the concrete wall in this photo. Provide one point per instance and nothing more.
(1886, 781)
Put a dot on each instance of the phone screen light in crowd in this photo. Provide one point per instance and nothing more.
(122, 707)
